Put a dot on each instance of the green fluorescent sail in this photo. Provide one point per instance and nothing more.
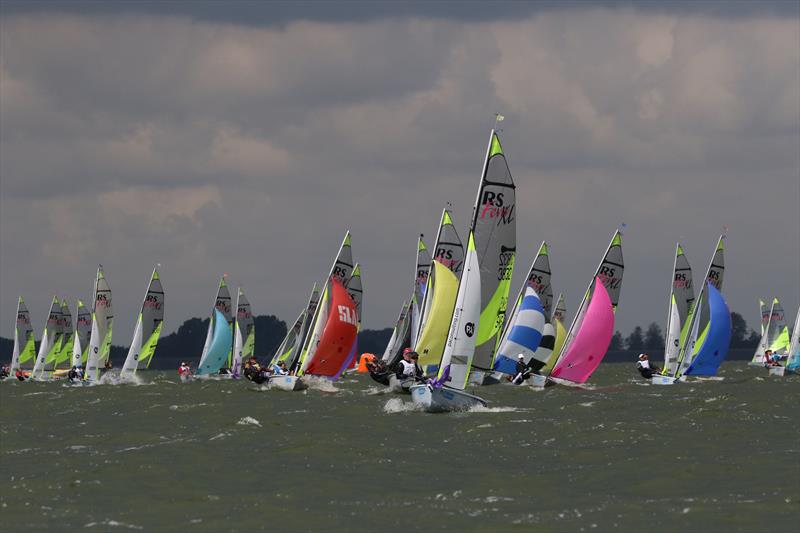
(434, 334)
(149, 347)
(781, 344)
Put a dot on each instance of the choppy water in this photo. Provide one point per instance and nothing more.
(225, 456)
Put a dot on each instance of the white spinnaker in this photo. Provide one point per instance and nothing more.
(764, 310)
(77, 351)
(764, 342)
(672, 341)
(460, 348)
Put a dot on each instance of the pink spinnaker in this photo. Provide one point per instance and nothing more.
(591, 342)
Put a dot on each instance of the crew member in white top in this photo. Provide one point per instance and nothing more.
(644, 367)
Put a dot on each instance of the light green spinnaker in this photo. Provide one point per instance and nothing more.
(440, 302)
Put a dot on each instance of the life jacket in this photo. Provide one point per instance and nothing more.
(409, 369)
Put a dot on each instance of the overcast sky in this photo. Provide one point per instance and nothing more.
(247, 139)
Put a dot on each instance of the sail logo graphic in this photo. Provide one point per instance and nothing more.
(347, 315)
(680, 281)
(606, 276)
(224, 306)
(339, 273)
(714, 278)
(469, 329)
(493, 207)
(152, 301)
(23, 319)
(101, 300)
(505, 263)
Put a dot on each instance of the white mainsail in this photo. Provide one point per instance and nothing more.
(83, 328)
(47, 346)
(244, 337)
(681, 299)
(460, 348)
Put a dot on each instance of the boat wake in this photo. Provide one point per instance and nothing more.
(320, 384)
(482, 409)
(248, 421)
(397, 405)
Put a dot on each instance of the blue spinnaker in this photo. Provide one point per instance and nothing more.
(217, 355)
(718, 338)
(524, 336)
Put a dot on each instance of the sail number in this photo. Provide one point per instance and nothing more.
(347, 315)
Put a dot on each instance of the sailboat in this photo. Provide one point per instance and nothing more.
(696, 328)
(335, 333)
(341, 271)
(523, 336)
(216, 353)
(244, 335)
(147, 330)
(793, 361)
(102, 327)
(50, 342)
(707, 360)
(538, 281)
(222, 308)
(590, 332)
(64, 353)
(289, 349)
(83, 328)
(24, 350)
(446, 393)
(448, 252)
(775, 337)
(681, 299)
(494, 228)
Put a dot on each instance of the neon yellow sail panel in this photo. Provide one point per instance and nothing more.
(781, 344)
(149, 348)
(561, 336)
(434, 335)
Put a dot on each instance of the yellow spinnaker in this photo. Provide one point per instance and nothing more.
(434, 333)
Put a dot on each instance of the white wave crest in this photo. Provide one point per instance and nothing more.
(248, 421)
(397, 405)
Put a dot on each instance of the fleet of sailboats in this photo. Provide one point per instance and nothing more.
(457, 318)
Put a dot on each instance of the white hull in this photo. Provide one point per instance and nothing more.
(777, 371)
(662, 380)
(287, 383)
(444, 399)
(537, 381)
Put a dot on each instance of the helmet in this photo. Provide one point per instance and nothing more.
(642, 357)
(520, 356)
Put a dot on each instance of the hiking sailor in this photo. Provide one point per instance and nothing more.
(644, 367)
(521, 372)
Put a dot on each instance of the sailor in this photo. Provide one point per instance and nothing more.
(521, 372)
(644, 367)
(4, 372)
(768, 359)
(79, 371)
(72, 375)
(407, 368)
(251, 368)
(418, 373)
(184, 371)
(280, 369)
(19, 374)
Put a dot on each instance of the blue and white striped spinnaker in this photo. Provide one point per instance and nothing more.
(524, 336)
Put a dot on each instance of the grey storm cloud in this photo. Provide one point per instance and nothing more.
(212, 144)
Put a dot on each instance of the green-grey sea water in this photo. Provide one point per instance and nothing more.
(228, 456)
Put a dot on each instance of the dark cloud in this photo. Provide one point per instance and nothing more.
(131, 139)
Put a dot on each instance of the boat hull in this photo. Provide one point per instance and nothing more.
(662, 380)
(402, 386)
(287, 383)
(444, 399)
(777, 371)
(537, 381)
